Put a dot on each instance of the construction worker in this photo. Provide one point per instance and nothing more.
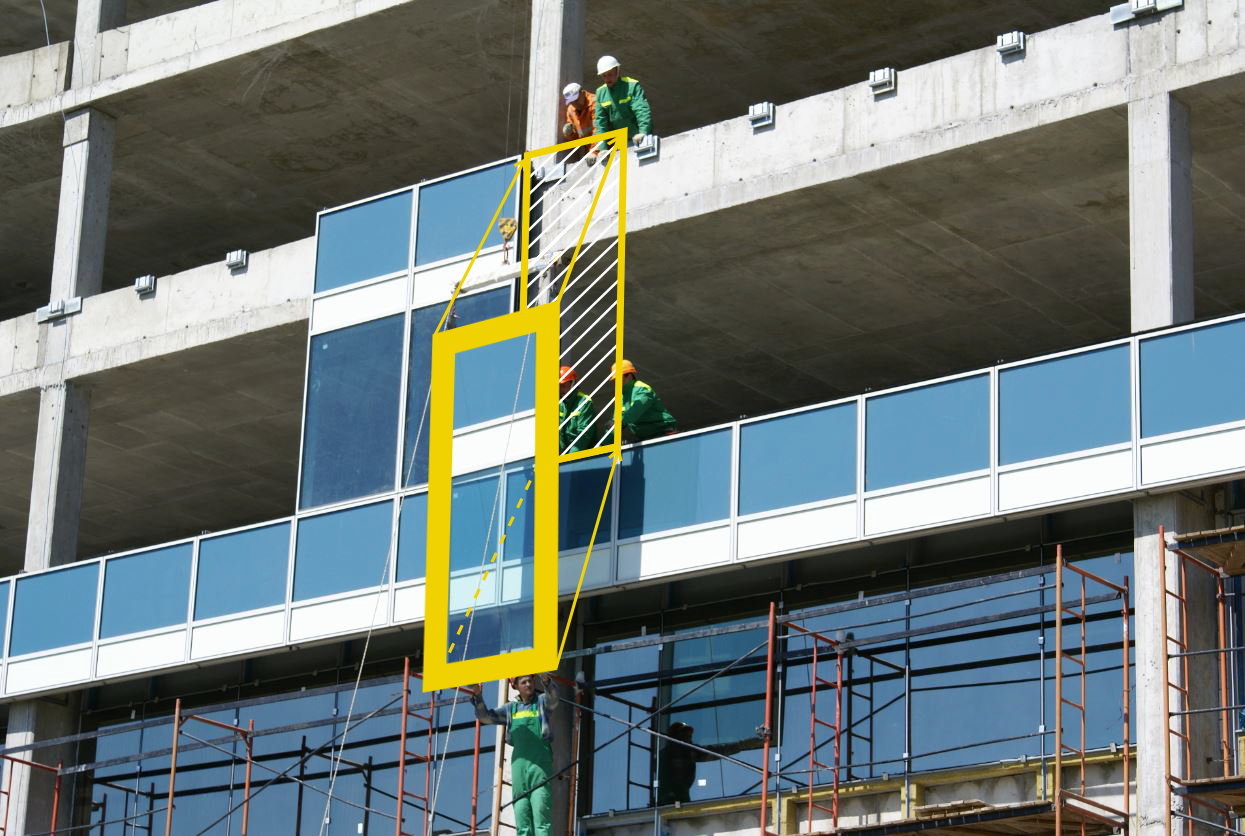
(581, 111)
(576, 433)
(644, 416)
(621, 103)
(677, 762)
(529, 732)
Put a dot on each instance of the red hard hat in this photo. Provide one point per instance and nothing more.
(567, 375)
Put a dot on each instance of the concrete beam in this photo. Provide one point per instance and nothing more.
(82, 221)
(557, 58)
(1160, 160)
(194, 308)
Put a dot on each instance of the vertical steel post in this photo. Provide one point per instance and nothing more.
(177, 733)
(246, 786)
(406, 695)
(1127, 693)
(1166, 659)
(475, 779)
(1058, 788)
(1224, 698)
(812, 736)
(56, 797)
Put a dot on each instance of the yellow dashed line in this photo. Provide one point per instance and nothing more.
(526, 488)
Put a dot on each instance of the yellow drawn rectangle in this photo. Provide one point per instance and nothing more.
(543, 322)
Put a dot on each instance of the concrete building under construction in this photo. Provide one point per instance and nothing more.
(937, 292)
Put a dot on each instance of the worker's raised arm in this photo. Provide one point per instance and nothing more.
(551, 691)
(488, 716)
(639, 106)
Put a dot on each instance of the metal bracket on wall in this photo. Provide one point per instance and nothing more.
(1133, 9)
(649, 149)
(59, 309)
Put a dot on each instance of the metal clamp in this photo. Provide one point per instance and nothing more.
(1133, 9)
(59, 309)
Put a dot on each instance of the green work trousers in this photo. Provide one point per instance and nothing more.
(532, 813)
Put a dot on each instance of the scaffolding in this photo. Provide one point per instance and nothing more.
(9, 762)
(1215, 556)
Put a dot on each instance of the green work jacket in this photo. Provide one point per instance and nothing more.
(572, 436)
(643, 413)
(623, 105)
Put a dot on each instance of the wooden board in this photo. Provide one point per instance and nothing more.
(1230, 792)
(975, 818)
(1222, 547)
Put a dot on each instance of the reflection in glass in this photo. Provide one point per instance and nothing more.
(927, 432)
(1191, 361)
(581, 487)
(474, 513)
(364, 241)
(467, 310)
(490, 631)
(342, 551)
(797, 458)
(146, 591)
(354, 379)
(54, 609)
(675, 483)
(412, 536)
(242, 571)
(454, 213)
(494, 380)
(1063, 405)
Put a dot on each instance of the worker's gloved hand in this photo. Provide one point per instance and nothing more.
(568, 131)
(591, 159)
(638, 139)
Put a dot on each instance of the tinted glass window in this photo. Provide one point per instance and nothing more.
(55, 609)
(494, 381)
(927, 433)
(1063, 405)
(582, 485)
(342, 551)
(242, 571)
(146, 591)
(454, 213)
(364, 241)
(797, 458)
(675, 484)
(412, 537)
(354, 379)
(1186, 379)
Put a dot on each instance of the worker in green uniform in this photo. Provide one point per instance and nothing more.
(621, 103)
(530, 734)
(575, 414)
(644, 416)
(677, 762)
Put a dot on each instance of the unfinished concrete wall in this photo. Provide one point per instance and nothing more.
(30, 76)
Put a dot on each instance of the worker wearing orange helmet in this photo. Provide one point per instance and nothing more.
(644, 416)
(576, 415)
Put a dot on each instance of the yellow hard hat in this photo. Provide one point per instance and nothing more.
(627, 367)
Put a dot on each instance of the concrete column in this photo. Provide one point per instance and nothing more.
(557, 57)
(1177, 512)
(32, 791)
(1160, 212)
(94, 17)
(60, 463)
(82, 220)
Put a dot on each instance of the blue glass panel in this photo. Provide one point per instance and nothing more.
(927, 433)
(55, 609)
(145, 591)
(488, 632)
(675, 484)
(474, 522)
(520, 504)
(467, 310)
(797, 458)
(1200, 361)
(454, 213)
(1063, 405)
(363, 242)
(342, 551)
(412, 537)
(242, 571)
(581, 486)
(354, 379)
(494, 380)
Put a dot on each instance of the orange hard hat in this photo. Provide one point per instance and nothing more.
(567, 375)
(627, 367)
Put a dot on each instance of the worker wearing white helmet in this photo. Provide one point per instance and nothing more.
(581, 109)
(621, 103)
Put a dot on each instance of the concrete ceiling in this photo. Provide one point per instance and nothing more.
(202, 439)
(18, 422)
(1000, 251)
(24, 22)
(1218, 134)
(245, 152)
(706, 61)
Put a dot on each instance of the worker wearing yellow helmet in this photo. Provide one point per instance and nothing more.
(644, 416)
(575, 414)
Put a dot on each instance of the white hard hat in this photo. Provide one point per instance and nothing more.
(571, 92)
(606, 63)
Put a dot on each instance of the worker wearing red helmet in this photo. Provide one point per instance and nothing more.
(576, 415)
(644, 416)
